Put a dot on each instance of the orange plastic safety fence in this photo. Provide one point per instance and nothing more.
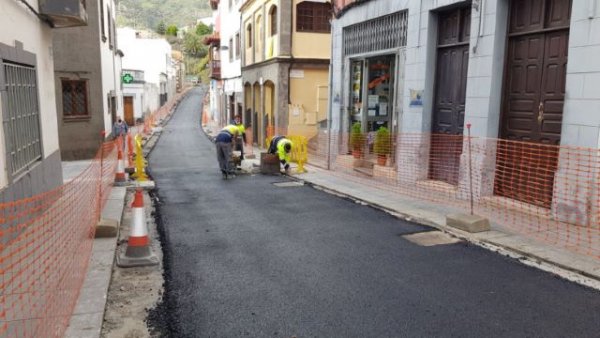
(155, 118)
(546, 192)
(46, 241)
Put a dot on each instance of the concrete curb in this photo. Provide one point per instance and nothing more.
(564, 264)
(87, 318)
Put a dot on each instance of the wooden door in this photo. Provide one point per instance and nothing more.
(533, 100)
(450, 93)
(128, 110)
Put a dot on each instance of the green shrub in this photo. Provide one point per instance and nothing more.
(383, 142)
(356, 136)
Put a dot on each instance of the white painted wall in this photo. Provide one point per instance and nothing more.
(36, 37)
(230, 26)
(137, 91)
(111, 72)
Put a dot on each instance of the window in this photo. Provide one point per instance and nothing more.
(230, 50)
(20, 116)
(102, 20)
(110, 32)
(74, 98)
(273, 21)
(313, 17)
(249, 36)
(237, 46)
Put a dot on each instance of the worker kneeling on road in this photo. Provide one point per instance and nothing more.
(282, 147)
(224, 145)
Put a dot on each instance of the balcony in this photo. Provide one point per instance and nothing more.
(64, 13)
(215, 70)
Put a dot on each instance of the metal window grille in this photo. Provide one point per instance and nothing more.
(382, 33)
(21, 117)
(313, 17)
(74, 94)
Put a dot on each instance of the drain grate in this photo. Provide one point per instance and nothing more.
(288, 184)
(431, 238)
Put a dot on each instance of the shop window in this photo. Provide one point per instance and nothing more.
(273, 20)
(313, 17)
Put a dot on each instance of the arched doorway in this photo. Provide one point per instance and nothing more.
(269, 114)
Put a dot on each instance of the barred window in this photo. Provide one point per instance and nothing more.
(21, 116)
(313, 17)
(75, 99)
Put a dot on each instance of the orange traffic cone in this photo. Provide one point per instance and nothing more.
(120, 179)
(138, 252)
(130, 169)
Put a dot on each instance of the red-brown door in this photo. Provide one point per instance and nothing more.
(450, 92)
(533, 100)
(128, 110)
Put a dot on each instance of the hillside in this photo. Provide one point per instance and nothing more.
(148, 13)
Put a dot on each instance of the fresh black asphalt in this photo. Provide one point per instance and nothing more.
(246, 258)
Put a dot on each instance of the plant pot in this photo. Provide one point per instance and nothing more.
(357, 153)
(381, 160)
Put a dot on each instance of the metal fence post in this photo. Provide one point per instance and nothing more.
(470, 166)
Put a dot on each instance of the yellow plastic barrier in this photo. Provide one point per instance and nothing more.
(299, 154)
(140, 163)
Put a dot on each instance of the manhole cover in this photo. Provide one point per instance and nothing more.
(288, 184)
(431, 238)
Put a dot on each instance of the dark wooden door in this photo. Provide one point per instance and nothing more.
(128, 110)
(450, 93)
(533, 100)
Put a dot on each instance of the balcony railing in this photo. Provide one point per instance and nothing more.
(64, 13)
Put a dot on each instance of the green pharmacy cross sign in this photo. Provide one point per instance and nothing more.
(127, 78)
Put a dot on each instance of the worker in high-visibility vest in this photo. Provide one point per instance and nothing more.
(281, 146)
(241, 139)
(223, 143)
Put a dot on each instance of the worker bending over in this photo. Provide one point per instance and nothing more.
(282, 147)
(224, 146)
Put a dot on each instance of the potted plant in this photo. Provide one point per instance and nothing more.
(382, 146)
(356, 140)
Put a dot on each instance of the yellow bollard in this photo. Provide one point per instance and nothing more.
(140, 163)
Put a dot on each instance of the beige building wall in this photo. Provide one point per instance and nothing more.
(309, 97)
(309, 45)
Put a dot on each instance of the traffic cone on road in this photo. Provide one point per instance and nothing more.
(120, 179)
(138, 252)
(130, 169)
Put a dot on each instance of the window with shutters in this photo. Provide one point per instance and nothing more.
(20, 116)
(273, 21)
(74, 98)
(313, 17)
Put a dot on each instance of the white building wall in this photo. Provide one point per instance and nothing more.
(19, 24)
(153, 56)
(111, 75)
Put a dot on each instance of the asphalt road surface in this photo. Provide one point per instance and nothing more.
(246, 258)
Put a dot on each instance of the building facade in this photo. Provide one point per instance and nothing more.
(231, 56)
(29, 144)
(285, 65)
(151, 65)
(87, 80)
(519, 73)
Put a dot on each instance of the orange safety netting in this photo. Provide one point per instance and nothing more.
(546, 192)
(46, 242)
(155, 118)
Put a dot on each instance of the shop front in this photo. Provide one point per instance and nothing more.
(374, 53)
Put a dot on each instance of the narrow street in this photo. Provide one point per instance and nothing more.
(244, 257)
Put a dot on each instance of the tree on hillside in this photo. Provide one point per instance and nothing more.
(192, 45)
(203, 29)
(172, 30)
(161, 28)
